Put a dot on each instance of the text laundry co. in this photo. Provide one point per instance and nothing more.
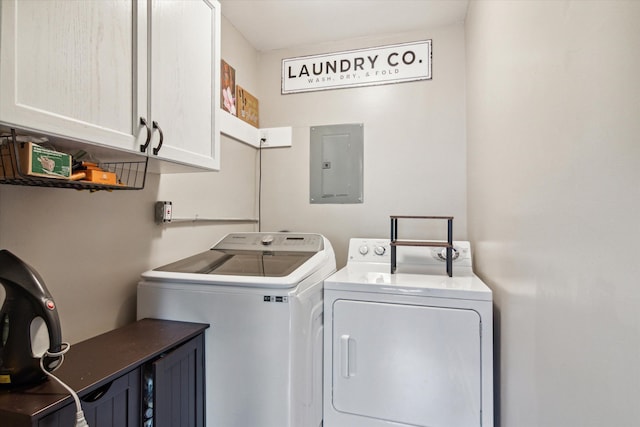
(389, 64)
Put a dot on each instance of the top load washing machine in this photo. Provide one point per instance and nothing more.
(262, 295)
(412, 348)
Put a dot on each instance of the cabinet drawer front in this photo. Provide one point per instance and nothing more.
(115, 404)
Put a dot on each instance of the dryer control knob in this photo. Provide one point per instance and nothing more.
(267, 240)
(454, 254)
(380, 250)
(364, 249)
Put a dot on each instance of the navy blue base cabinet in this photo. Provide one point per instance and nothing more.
(149, 374)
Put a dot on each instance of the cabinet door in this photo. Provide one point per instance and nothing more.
(69, 68)
(179, 386)
(184, 80)
(116, 404)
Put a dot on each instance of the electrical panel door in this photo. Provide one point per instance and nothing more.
(336, 163)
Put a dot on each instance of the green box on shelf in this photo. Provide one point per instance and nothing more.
(37, 161)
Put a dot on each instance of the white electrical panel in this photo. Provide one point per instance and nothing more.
(336, 163)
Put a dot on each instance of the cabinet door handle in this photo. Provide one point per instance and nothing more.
(143, 147)
(97, 394)
(156, 150)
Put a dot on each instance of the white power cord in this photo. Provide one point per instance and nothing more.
(80, 421)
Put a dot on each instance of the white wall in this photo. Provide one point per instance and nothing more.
(90, 248)
(230, 193)
(414, 146)
(554, 164)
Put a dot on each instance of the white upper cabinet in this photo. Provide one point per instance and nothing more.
(184, 69)
(88, 71)
(67, 69)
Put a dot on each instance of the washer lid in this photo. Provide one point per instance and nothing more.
(240, 263)
(377, 279)
(251, 254)
(273, 260)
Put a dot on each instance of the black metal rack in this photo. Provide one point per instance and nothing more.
(448, 245)
(131, 175)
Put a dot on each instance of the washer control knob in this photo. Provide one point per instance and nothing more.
(363, 249)
(267, 240)
(380, 250)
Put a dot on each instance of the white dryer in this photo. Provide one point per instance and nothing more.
(262, 295)
(412, 348)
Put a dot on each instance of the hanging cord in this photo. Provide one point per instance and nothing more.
(80, 421)
(262, 141)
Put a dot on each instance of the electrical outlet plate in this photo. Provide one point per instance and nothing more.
(276, 137)
(163, 212)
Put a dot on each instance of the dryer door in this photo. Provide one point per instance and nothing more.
(408, 364)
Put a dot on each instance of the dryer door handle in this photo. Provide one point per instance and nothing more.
(347, 356)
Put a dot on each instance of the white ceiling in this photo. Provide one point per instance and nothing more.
(277, 24)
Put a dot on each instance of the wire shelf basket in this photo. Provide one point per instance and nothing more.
(129, 175)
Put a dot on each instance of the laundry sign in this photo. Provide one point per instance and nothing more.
(396, 63)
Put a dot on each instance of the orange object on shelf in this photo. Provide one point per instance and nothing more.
(100, 177)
